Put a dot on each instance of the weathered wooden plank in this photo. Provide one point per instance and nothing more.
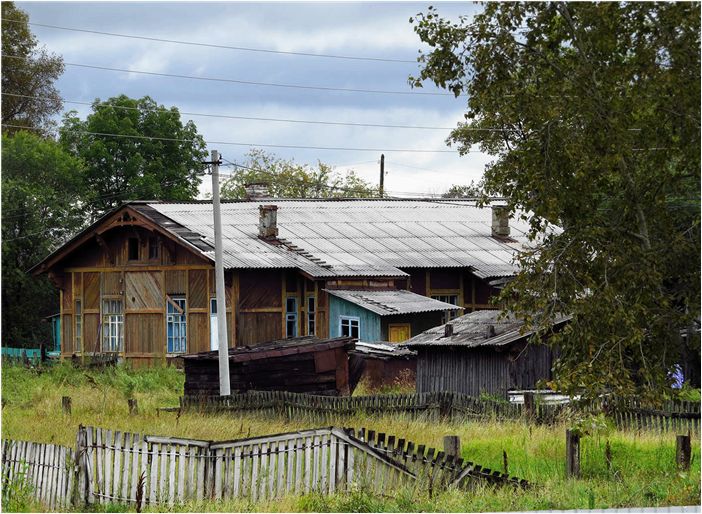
(136, 450)
(154, 456)
(324, 463)
(237, 472)
(333, 458)
(191, 485)
(246, 471)
(255, 450)
(315, 462)
(182, 450)
(218, 461)
(172, 475)
(162, 484)
(109, 441)
(263, 472)
(117, 464)
(126, 450)
(226, 473)
(280, 466)
(308, 464)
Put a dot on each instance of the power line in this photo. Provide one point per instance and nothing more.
(256, 118)
(246, 82)
(234, 143)
(210, 45)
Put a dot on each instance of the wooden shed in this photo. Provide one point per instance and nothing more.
(382, 364)
(301, 365)
(481, 352)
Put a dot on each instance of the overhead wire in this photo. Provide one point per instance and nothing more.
(255, 118)
(247, 82)
(212, 45)
(254, 145)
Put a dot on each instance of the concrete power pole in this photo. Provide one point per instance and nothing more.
(222, 340)
(382, 175)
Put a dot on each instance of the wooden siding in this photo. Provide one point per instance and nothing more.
(198, 332)
(258, 327)
(260, 288)
(143, 290)
(67, 335)
(197, 289)
(144, 335)
(474, 371)
(370, 322)
(91, 333)
(176, 282)
(91, 291)
(112, 283)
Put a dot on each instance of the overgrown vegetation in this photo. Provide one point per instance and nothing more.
(642, 472)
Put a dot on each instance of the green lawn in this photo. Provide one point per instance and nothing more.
(642, 473)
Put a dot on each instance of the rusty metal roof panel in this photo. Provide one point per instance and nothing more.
(388, 303)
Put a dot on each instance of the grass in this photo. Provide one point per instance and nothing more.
(642, 474)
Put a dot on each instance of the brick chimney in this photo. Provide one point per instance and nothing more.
(256, 191)
(500, 221)
(448, 330)
(268, 221)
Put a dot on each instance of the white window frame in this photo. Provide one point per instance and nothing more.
(112, 325)
(180, 341)
(350, 320)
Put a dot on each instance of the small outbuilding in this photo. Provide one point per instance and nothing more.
(301, 364)
(481, 352)
(382, 364)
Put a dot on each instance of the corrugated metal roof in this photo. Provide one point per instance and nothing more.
(387, 303)
(479, 328)
(356, 237)
(383, 351)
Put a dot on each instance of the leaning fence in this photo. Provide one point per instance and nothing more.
(625, 414)
(45, 470)
(140, 470)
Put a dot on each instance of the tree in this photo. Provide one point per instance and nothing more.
(29, 98)
(157, 156)
(592, 112)
(288, 179)
(471, 190)
(40, 185)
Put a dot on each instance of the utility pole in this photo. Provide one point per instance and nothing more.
(382, 174)
(222, 340)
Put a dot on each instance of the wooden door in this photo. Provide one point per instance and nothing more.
(398, 332)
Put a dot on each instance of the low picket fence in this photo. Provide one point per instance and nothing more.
(45, 470)
(140, 470)
(627, 415)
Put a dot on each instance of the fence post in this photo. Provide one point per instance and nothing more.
(529, 405)
(452, 445)
(572, 454)
(682, 452)
(133, 406)
(80, 482)
(66, 405)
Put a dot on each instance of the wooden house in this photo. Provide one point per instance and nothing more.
(139, 282)
(481, 353)
(304, 364)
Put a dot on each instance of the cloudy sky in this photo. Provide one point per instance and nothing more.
(378, 30)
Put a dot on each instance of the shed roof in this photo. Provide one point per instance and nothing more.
(278, 348)
(387, 303)
(479, 328)
(329, 238)
(383, 351)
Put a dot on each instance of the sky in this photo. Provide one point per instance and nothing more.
(364, 29)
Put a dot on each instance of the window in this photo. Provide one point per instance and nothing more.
(291, 317)
(79, 327)
(176, 330)
(153, 248)
(447, 298)
(349, 326)
(112, 325)
(133, 249)
(310, 315)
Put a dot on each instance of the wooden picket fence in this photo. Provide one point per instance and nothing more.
(45, 471)
(433, 405)
(626, 415)
(139, 470)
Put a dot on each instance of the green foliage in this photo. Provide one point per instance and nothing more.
(599, 106)
(127, 168)
(471, 190)
(288, 179)
(17, 495)
(31, 73)
(40, 185)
